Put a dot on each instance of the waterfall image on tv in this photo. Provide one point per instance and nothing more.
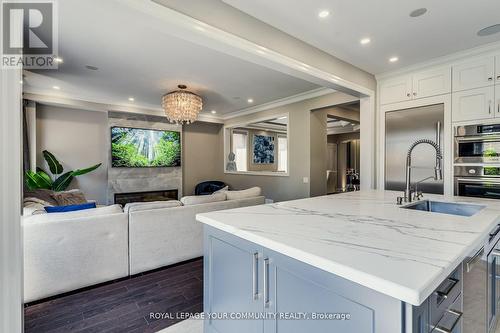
(137, 147)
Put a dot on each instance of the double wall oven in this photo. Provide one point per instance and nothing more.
(477, 161)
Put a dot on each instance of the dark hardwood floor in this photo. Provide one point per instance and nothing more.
(123, 306)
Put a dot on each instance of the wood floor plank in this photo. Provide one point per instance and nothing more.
(122, 306)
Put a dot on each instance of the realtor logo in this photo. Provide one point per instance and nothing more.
(29, 34)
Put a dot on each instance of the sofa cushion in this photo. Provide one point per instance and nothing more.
(70, 208)
(41, 196)
(138, 206)
(202, 199)
(106, 210)
(244, 194)
(72, 197)
(223, 190)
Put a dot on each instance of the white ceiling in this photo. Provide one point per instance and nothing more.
(447, 27)
(137, 61)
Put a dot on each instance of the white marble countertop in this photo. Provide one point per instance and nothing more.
(366, 238)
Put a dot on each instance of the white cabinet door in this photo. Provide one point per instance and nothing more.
(497, 67)
(432, 82)
(474, 74)
(473, 104)
(396, 90)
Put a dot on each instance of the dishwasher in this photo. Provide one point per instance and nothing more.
(481, 287)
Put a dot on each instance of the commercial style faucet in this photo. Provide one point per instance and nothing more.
(438, 172)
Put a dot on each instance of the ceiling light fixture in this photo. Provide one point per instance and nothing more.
(418, 12)
(182, 106)
(365, 41)
(250, 100)
(56, 87)
(131, 99)
(213, 112)
(488, 31)
(324, 14)
(393, 59)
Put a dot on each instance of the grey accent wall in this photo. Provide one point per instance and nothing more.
(126, 180)
(203, 154)
(78, 139)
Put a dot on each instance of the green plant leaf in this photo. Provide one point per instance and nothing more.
(80, 172)
(55, 167)
(63, 182)
(36, 180)
(44, 175)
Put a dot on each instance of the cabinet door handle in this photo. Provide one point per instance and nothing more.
(489, 107)
(498, 77)
(255, 278)
(266, 282)
(490, 79)
(457, 314)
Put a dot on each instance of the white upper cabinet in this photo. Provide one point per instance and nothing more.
(498, 69)
(432, 82)
(396, 90)
(473, 74)
(436, 81)
(473, 104)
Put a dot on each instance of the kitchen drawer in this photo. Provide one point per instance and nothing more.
(444, 296)
(451, 320)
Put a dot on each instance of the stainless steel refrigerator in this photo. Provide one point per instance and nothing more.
(404, 127)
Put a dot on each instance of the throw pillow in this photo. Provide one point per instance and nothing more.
(244, 194)
(223, 190)
(33, 208)
(67, 198)
(138, 206)
(70, 208)
(40, 196)
(202, 199)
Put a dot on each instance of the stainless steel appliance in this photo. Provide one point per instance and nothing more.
(481, 181)
(477, 143)
(481, 287)
(402, 129)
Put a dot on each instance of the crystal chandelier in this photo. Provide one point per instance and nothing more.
(182, 106)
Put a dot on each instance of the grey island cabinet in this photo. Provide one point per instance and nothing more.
(350, 263)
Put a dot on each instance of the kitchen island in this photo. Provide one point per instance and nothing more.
(353, 262)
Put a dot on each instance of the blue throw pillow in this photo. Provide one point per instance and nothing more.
(70, 208)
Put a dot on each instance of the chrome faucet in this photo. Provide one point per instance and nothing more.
(438, 172)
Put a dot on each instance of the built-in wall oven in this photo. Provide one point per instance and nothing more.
(477, 144)
(480, 181)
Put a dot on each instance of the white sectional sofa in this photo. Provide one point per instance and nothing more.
(68, 251)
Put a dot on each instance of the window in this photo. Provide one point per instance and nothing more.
(240, 144)
(282, 153)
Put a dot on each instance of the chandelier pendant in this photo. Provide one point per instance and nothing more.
(182, 106)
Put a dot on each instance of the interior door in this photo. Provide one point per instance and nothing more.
(473, 104)
(474, 74)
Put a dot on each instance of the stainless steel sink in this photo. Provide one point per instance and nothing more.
(450, 208)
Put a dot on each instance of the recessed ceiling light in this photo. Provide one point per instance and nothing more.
(365, 41)
(323, 14)
(393, 59)
(58, 60)
(213, 112)
(131, 99)
(250, 100)
(488, 31)
(418, 12)
(56, 87)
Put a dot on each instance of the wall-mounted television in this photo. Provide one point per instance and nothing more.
(144, 148)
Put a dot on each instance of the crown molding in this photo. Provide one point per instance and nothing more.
(453, 57)
(278, 103)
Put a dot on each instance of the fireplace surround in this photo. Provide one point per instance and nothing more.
(147, 196)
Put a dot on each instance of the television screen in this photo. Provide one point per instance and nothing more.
(138, 147)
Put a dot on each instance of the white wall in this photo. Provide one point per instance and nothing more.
(78, 138)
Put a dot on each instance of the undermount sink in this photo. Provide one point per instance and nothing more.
(450, 208)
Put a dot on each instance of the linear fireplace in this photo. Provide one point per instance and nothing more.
(148, 196)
